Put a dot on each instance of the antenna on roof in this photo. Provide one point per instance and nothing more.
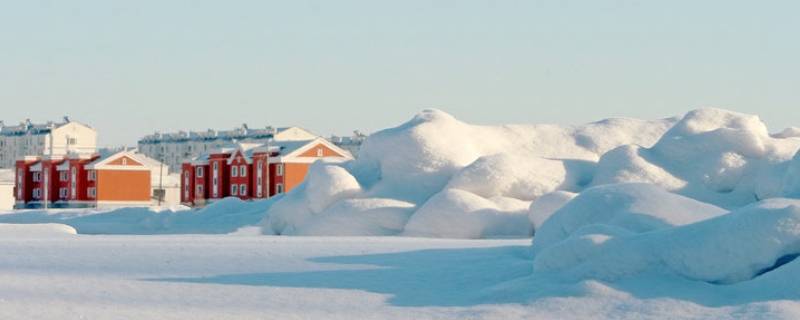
(66, 119)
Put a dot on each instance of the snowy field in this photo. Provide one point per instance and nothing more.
(48, 273)
(692, 217)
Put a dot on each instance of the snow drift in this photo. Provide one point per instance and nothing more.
(484, 177)
(471, 181)
(223, 216)
(730, 248)
(35, 230)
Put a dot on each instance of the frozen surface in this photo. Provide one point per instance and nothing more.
(264, 277)
(224, 216)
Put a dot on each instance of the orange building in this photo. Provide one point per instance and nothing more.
(119, 179)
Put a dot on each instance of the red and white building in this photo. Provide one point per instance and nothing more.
(252, 171)
(80, 180)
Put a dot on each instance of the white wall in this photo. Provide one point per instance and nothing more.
(6, 196)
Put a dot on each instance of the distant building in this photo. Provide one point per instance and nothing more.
(252, 170)
(124, 178)
(178, 147)
(352, 143)
(57, 139)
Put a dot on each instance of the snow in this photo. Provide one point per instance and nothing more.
(223, 216)
(441, 165)
(684, 218)
(712, 155)
(729, 249)
(36, 230)
(460, 214)
(267, 277)
(633, 207)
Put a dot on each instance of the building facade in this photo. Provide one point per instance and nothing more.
(56, 139)
(352, 143)
(252, 170)
(80, 180)
(174, 149)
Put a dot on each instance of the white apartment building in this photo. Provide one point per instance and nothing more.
(173, 149)
(27, 139)
(352, 143)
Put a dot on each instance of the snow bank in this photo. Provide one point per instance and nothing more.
(730, 248)
(35, 230)
(223, 216)
(456, 213)
(434, 161)
(712, 155)
(632, 207)
(546, 205)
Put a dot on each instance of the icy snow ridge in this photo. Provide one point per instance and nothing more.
(471, 181)
(464, 181)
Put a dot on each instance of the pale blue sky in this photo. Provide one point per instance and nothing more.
(131, 67)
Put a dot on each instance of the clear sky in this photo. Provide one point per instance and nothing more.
(129, 68)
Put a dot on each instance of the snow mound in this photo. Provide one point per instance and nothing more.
(361, 217)
(730, 248)
(438, 159)
(35, 230)
(546, 205)
(457, 213)
(633, 207)
(711, 155)
(792, 132)
(514, 176)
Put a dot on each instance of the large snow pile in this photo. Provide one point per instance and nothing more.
(453, 179)
(471, 181)
(730, 248)
(712, 155)
(624, 208)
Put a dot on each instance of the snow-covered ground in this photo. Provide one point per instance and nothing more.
(692, 217)
(54, 274)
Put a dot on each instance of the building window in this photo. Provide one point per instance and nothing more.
(63, 176)
(74, 182)
(92, 192)
(199, 172)
(279, 188)
(243, 170)
(72, 141)
(234, 171)
(319, 152)
(234, 190)
(243, 189)
(216, 166)
(279, 170)
(62, 193)
(20, 174)
(37, 176)
(37, 193)
(92, 175)
(199, 191)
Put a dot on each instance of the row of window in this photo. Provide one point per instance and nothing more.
(63, 193)
(236, 190)
(237, 171)
(63, 176)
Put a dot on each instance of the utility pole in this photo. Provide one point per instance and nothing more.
(267, 174)
(46, 171)
(161, 191)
